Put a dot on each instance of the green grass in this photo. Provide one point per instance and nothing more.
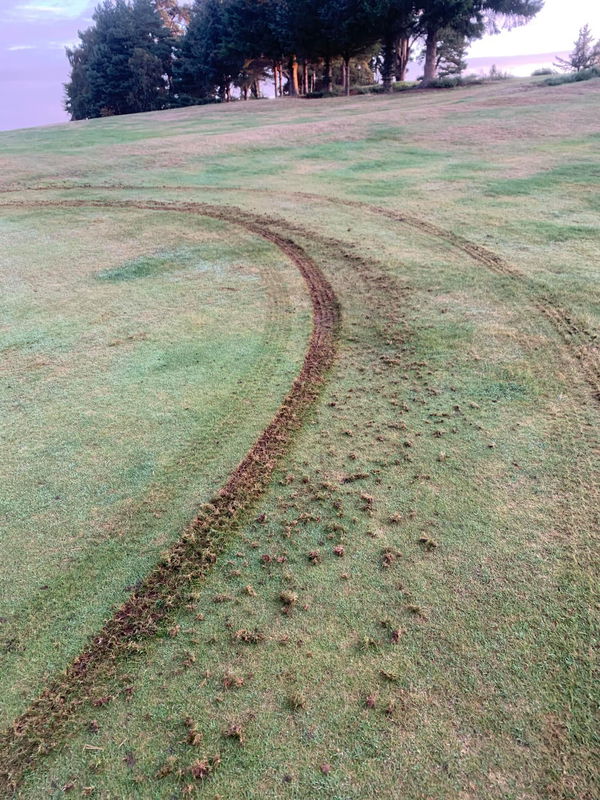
(125, 407)
(445, 653)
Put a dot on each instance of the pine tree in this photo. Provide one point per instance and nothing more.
(208, 61)
(585, 53)
(451, 52)
(123, 63)
(467, 17)
(175, 15)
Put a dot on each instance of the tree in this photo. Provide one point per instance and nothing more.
(123, 63)
(398, 26)
(451, 53)
(208, 61)
(254, 35)
(469, 18)
(145, 85)
(350, 26)
(78, 96)
(175, 15)
(585, 53)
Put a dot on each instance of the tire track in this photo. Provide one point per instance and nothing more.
(579, 340)
(167, 587)
(136, 621)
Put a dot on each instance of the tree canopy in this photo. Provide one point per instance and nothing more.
(144, 55)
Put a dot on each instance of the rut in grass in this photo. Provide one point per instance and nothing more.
(217, 519)
(579, 340)
(167, 587)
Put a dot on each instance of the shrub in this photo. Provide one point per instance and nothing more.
(319, 95)
(448, 82)
(542, 71)
(496, 74)
(369, 88)
(573, 77)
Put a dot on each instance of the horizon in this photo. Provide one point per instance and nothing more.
(34, 67)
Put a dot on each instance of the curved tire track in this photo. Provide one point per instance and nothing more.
(138, 618)
(167, 587)
(579, 341)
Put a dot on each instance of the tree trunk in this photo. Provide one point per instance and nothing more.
(294, 84)
(304, 77)
(389, 57)
(347, 75)
(403, 56)
(430, 56)
(327, 75)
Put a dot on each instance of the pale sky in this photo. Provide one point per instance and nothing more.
(34, 33)
(554, 28)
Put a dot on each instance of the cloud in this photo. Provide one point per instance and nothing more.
(49, 9)
(62, 45)
(14, 47)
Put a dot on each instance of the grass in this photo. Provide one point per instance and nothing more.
(119, 392)
(408, 609)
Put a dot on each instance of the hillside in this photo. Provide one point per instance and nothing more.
(299, 452)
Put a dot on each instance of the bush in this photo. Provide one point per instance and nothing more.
(184, 100)
(497, 75)
(370, 88)
(573, 77)
(542, 71)
(377, 88)
(448, 82)
(403, 86)
(473, 80)
(321, 94)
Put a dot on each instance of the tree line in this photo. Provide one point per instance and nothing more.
(146, 55)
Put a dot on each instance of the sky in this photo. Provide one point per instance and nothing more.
(34, 34)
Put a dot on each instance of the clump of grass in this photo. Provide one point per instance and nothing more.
(427, 542)
(222, 598)
(297, 701)
(201, 769)
(389, 556)
(232, 681)
(168, 768)
(234, 731)
(249, 637)
(367, 643)
(194, 736)
(288, 599)
(396, 635)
